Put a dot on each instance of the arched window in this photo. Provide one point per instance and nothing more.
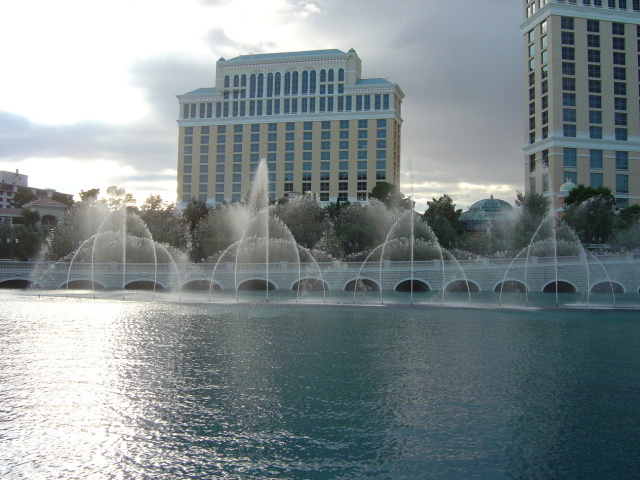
(270, 85)
(294, 83)
(305, 82)
(236, 81)
(260, 85)
(341, 75)
(312, 81)
(243, 80)
(252, 86)
(331, 79)
(323, 75)
(226, 81)
(287, 83)
(276, 87)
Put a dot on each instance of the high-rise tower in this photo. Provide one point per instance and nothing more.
(582, 99)
(319, 125)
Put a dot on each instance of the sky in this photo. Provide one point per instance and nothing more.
(88, 89)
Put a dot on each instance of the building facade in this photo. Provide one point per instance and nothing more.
(582, 96)
(320, 127)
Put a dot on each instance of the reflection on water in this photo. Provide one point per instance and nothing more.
(108, 388)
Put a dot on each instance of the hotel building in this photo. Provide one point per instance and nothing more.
(582, 98)
(320, 127)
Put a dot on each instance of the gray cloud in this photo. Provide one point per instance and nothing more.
(162, 78)
(141, 145)
(460, 69)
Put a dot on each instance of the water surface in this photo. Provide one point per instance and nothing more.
(111, 389)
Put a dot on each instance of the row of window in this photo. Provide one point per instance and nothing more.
(288, 83)
(531, 7)
(237, 197)
(306, 167)
(287, 106)
(570, 159)
(325, 136)
(289, 126)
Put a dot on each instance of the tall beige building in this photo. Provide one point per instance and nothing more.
(582, 100)
(320, 127)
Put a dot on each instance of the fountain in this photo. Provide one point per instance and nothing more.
(256, 250)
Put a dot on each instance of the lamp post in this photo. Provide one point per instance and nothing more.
(13, 242)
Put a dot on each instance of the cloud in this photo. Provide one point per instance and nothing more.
(162, 77)
(460, 69)
(138, 144)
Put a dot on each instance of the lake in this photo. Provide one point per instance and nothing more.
(166, 387)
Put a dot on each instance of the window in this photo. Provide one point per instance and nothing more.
(619, 103)
(571, 176)
(621, 134)
(593, 56)
(619, 73)
(595, 86)
(569, 83)
(593, 41)
(568, 114)
(566, 23)
(595, 159)
(568, 53)
(568, 99)
(595, 101)
(619, 88)
(617, 28)
(594, 71)
(568, 68)
(595, 116)
(569, 130)
(618, 43)
(621, 119)
(593, 26)
(595, 180)
(622, 184)
(622, 160)
(595, 132)
(569, 156)
(568, 38)
(619, 58)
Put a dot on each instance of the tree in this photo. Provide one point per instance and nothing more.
(592, 219)
(59, 197)
(195, 211)
(628, 216)
(164, 222)
(30, 217)
(535, 208)
(581, 194)
(89, 195)
(306, 219)
(441, 215)
(119, 198)
(23, 195)
(388, 194)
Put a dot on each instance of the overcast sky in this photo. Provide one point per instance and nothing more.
(88, 89)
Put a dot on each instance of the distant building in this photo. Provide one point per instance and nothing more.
(582, 98)
(489, 215)
(50, 210)
(319, 125)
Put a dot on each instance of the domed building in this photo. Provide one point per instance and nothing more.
(563, 192)
(490, 214)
